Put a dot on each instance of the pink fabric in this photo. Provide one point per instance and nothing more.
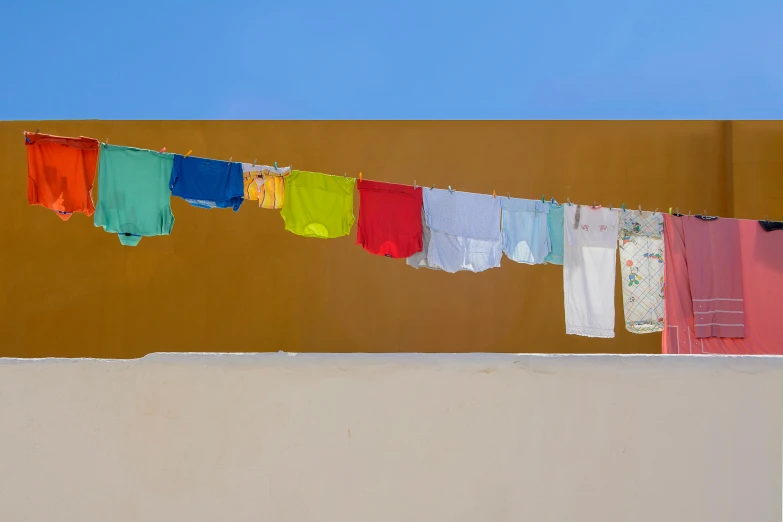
(760, 253)
(715, 275)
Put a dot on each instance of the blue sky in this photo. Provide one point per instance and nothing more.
(402, 59)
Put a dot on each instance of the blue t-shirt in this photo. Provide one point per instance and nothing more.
(207, 183)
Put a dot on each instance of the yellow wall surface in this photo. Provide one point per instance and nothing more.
(238, 282)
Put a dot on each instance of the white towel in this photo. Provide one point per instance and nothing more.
(464, 231)
(589, 265)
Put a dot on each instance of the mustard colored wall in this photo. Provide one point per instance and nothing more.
(239, 282)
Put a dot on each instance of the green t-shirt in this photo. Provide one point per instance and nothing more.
(134, 198)
(318, 205)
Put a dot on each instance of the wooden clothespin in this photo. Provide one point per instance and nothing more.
(188, 153)
(655, 211)
(360, 175)
(640, 210)
(344, 175)
(509, 195)
(494, 194)
(415, 186)
(230, 159)
(163, 149)
(433, 186)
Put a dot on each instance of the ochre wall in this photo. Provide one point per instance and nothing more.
(239, 282)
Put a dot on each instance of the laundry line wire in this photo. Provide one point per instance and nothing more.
(423, 187)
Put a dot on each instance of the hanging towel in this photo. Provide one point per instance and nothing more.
(525, 230)
(265, 184)
(762, 294)
(133, 193)
(389, 219)
(465, 230)
(555, 226)
(715, 276)
(642, 270)
(207, 183)
(318, 205)
(589, 264)
(61, 173)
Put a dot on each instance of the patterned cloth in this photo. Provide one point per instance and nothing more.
(641, 266)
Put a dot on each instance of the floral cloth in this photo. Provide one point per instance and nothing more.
(641, 265)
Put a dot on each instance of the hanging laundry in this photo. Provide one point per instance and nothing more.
(318, 205)
(61, 173)
(555, 225)
(715, 275)
(589, 264)
(265, 184)
(525, 230)
(465, 231)
(133, 193)
(756, 257)
(207, 183)
(769, 226)
(389, 219)
(641, 268)
(419, 259)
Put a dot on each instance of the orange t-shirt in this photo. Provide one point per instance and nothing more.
(61, 172)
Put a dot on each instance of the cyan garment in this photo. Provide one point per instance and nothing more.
(555, 225)
(207, 183)
(133, 193)
(525, 230)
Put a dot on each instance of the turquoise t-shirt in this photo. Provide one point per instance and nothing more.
(134, 198)
(555, 224)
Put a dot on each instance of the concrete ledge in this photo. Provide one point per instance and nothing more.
(392, 437)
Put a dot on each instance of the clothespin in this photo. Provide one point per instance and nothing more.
(594, 205)
(360, 175)
(106, 143)
(275, 165)
(569, 202)
(705, 214)
(344, 174)
(415, 186)
(542, 198)
(552, 201)
(677, 210)
(163, 149)
(623, 207)
(640, 210)
(230, 159)
(670, 211)
(451, 190)
(188, 153)
(494, 194)
(433, 186)
(655, 211)
(26, 139)
(610, 206)
(254, 161)
(509, 195)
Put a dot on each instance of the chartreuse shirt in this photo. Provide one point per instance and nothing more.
(318, 205)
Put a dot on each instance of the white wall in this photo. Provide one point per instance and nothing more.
(443, 438)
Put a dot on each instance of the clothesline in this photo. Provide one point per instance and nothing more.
(672, 210)
(722, 274)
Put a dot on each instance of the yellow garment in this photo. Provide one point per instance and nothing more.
(318, 205)
(265, 184)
